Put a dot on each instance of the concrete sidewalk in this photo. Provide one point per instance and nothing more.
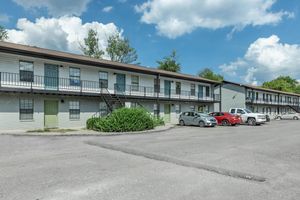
(85, 132)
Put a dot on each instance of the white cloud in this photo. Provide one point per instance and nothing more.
(265, 59)
(173, 18)
(62, 33)
(4, 18)
(107, 9)
(56, 7)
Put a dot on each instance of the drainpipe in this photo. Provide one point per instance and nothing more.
(278, 103)
(157, 94)
(220, 102)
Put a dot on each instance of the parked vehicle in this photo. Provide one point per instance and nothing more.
(197, 119)
(249, 117)
(226, 119)
(294, 116)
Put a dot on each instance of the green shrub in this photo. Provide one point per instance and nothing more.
(158, 121)
(125, 120)
(90, 123)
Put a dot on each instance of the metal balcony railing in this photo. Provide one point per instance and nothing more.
(272, 102)
(34, 82)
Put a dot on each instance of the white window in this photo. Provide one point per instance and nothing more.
(178, 108)
(26, 71)
(103, 109)
(74, 109)
(193, 89)
(192, 108)
(135, 83)
(103, 79)
(156, 109)
(74, 75)
(26, 109)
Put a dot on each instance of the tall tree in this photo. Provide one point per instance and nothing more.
(283, 83)
(170, 63)
(119, 49)
(209, 74)
(91, 45)
(3, 34)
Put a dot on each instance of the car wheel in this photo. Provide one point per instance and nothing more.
(295, 118)
(251, 122)
(181, 122)
(225, 122)
(279, 118)
(201, 124)
(233, 124)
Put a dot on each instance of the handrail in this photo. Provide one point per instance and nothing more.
(37, 82)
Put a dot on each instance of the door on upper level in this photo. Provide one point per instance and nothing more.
(51, 77)
(167, 88)
(200, 91)
(120, 82)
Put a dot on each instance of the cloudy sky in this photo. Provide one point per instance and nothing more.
(247, 41)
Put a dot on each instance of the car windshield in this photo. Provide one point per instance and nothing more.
(248, 111)
(203, 115)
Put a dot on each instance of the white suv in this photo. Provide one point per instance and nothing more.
(248, 117)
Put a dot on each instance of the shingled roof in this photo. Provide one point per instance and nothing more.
(25, 50)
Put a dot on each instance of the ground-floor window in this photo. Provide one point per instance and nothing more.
(74, 109)
(103, 109)
(156, 109)
(178, 108)
(192, 108)
(26, 109)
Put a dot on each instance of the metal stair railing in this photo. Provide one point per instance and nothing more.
(295, 108)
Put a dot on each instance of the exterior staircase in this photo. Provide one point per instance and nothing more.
(295, 108)
(112, 101)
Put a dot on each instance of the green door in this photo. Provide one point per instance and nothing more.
(51, 77)
(167, 88)
(51, 114)
(167, 113)
(120, 82)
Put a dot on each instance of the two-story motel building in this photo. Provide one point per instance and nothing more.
(258, 99)
(41, 88)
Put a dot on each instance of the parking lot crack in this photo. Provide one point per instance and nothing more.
(180, 162)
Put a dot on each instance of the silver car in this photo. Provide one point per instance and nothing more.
(197, 119)
(294, 116)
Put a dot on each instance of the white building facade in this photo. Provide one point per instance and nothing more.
(258, 99)
(41, 88)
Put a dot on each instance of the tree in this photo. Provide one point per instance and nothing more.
(3, 34)
(119, 49)
(170, 63)
(91, 45)
(209, 74)
(283, 83)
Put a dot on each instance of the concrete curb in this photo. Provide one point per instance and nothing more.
(95, 133)
(185, 163)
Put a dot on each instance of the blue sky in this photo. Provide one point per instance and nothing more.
(263, 45)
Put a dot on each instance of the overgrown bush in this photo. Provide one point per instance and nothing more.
(158, 121)
(90, 123)
(125, 120)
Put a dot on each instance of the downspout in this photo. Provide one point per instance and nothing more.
(220, 102)
(278, 95)
(157, 94)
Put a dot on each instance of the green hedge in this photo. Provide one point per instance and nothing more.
(125, 120)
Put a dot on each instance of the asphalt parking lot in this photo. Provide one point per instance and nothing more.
(182, 163)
